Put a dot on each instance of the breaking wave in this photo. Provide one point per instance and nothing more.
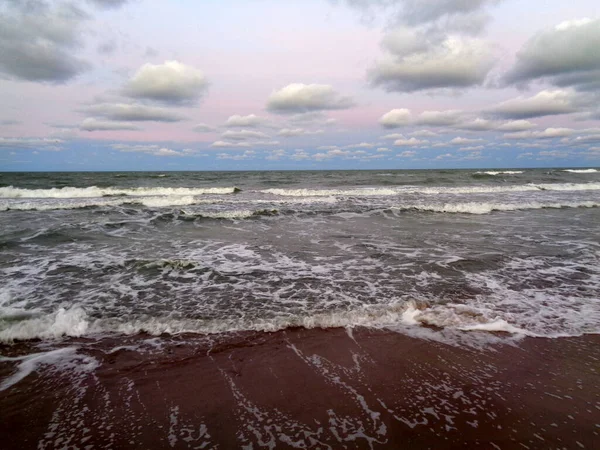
(93, 191)
(486, 208)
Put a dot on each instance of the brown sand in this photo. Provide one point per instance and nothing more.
(310, 389)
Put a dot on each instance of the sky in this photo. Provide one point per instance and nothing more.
(298, 84)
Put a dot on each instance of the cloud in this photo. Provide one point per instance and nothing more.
(133, 112)
(456, 63)
(204, 128)
(250, 120)
(516, 125)
(302, 98)
(293, 132)
(477, 124)
(464, 141)
(396, 118)
(566, 54)
(31, 143)
(361, 145)
(149, 149)
(418, 12)
(38, 40)
(548, 133)
(108, 3)
(224, 144)
(476, 148)
(423, 133)
(171, 83)
(544, 103)
(243, 135)
(439, 118)
(409, 142)
(91, 124)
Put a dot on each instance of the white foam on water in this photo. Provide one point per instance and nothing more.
(498, 325)
(362, 192)
(93, 191)
(64, 322)
(486, 208)
(581, 170)
(501, 172)
(57, 360)
(375, 192)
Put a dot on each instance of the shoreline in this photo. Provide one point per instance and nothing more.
(315, 388)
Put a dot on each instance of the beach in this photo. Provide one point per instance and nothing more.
(300, 388)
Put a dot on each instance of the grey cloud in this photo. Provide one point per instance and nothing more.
(204, 128)
(452, 64)
(243, 135)
(108, 3)
(225, 144)
(133, 112)
(31, 143)
(302, 98)
(171, 83)
(107, 47)
(567, 54)
(9, 122)
(250, 120)
(439, 118)
(417, 12)
(38, 41)
(544, 103)
(91, 124)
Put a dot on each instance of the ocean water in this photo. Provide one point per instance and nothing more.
(472, 251)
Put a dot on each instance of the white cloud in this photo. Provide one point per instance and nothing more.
(393, 136)
(171, 82)
(396, 118)
(423, 133)
(91, 124)
(149, 149)
(224, 144)
(406, 154)
(250, 120)
(464, 141)
(409, 142)
(300, 98)
(516, 125)
(477, 124)
(476, 148)
(133, 112)
(294, 132)
(361, 145)
(548, 133)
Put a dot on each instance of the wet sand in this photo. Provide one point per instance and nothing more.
(306, 389)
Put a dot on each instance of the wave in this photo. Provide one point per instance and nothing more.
(486, 208)
(94, 192)
(501, 172)
(150, 202)
(432, 190)
(580, 170)
(75, 322)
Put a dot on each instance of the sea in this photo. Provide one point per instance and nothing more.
(441, 252)
(319, 309)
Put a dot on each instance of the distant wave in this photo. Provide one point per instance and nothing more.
(580, 170)
(93, 191)
(502, 172)
(486, 208)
